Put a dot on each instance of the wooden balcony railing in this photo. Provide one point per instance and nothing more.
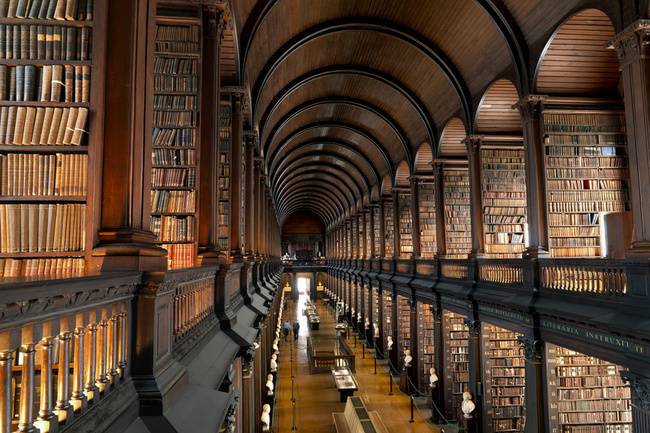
(501, 272)
(454, 269)
(62, 345)
(602, 277)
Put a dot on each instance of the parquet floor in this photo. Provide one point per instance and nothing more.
(317, 397)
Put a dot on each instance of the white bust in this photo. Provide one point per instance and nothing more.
(407, 358)
(274, 363)
(433, 378)
(467, 406)
(376, 330)
(269, 384)
(266, 417)
(359, 317)
(367, 325)
(389, 343)
(275, 345)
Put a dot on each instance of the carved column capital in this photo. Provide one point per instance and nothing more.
(640, 387)
(531, 106)
(532, 348)
(473, 143)
(437, 167)
(473, 326)
(633, 43)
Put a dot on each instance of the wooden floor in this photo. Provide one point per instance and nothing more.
(316, 396)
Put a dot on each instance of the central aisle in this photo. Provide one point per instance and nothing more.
(317, 397)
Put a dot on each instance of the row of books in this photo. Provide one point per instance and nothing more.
(179, 255)
(162, 137)
(174, 102)
(175, 66)
(586, 184)
(164, 201)
(587, 206)
(42, 126)
(457, 212)
(504, 238)
(427, 220)
(587, 162)
(174, 157)
(377, 231)
(42, 227)
(177, 33)
(173, 178)
(575, 242)
(70, 10)
(173, 83)
(503, 219)
(174, 119)
(591, 173)
(590, 146)
(45, 43)
(592, 195)
(49, 83)
(23, 174)
(389, 230)
(176, 47)
(57, 267)
(597, 405)
(173, 229)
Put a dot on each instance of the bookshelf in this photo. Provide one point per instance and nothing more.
(586, 394)
(377, 232)
(427, 209)
(456, 336)
(457, 212)
(175, 138)
(361, 235)
(348, 241)
(405, 225)
(426, 343)
(369, 235)
(387, 314)
(375, 307)
(504, 378)
(367, 301)
(403, 327)
(586, 176)
(389, 230)
(223, 190)
(49, 133)
(504, 200)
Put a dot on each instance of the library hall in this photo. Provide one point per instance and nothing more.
(325, 216)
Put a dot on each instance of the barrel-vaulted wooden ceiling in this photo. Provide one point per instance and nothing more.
(344, 91)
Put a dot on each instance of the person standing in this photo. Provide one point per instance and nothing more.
(285, 329)
(296, 329)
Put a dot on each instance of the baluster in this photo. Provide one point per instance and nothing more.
(45, 412)
(113, 346)
(123, 341)
(26, 416)
(6, 359)
(102, 346)
(91, 361)
(78, 397)
(63, 376)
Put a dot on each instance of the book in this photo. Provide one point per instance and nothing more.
(458, 227)
(456, 342)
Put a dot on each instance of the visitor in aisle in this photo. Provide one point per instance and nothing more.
(296, 329)
(285, 329)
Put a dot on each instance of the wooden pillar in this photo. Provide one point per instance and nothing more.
(473, 143)
(258, 224)
(396, 234)
(531, 108)
(249, 216)
(208, 205)
(439, 197)
(634, 55)
(122, 209)
(474, 358)
(382, 231)
(415, 217)
(236, 248)
(640, 387)
(371, 248)
(437, 393)
(535, 397)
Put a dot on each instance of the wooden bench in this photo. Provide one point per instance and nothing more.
(357, 419)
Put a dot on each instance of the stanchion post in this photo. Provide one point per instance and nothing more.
(375, 365)
(363, 351)
(412, 409)
(390, 381)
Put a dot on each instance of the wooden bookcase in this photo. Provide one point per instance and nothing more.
(361, 235)
(375, 307)
(369, 234)
(405, 225)
(457, 212)
(456, 336)
(367, 301)
(387, 314)
(427, 209)
(403, 328)
(51, 115)
(504, 379)
(389, 229)
(223, 189)
(504, 200)
(377, 232)
(586, 394)
(426, 343)
(175, 139)
(587, 175)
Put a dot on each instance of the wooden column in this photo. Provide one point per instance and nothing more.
(634, 55)
(382, 231)
(473, 144)
(531, 108)
(415, 217)
(249, 216)
(439, 197)
(121, 210)
(208, 205)
(474, 358)
(236, 248)
(536, 403)
(371, 248)
(258, 225)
